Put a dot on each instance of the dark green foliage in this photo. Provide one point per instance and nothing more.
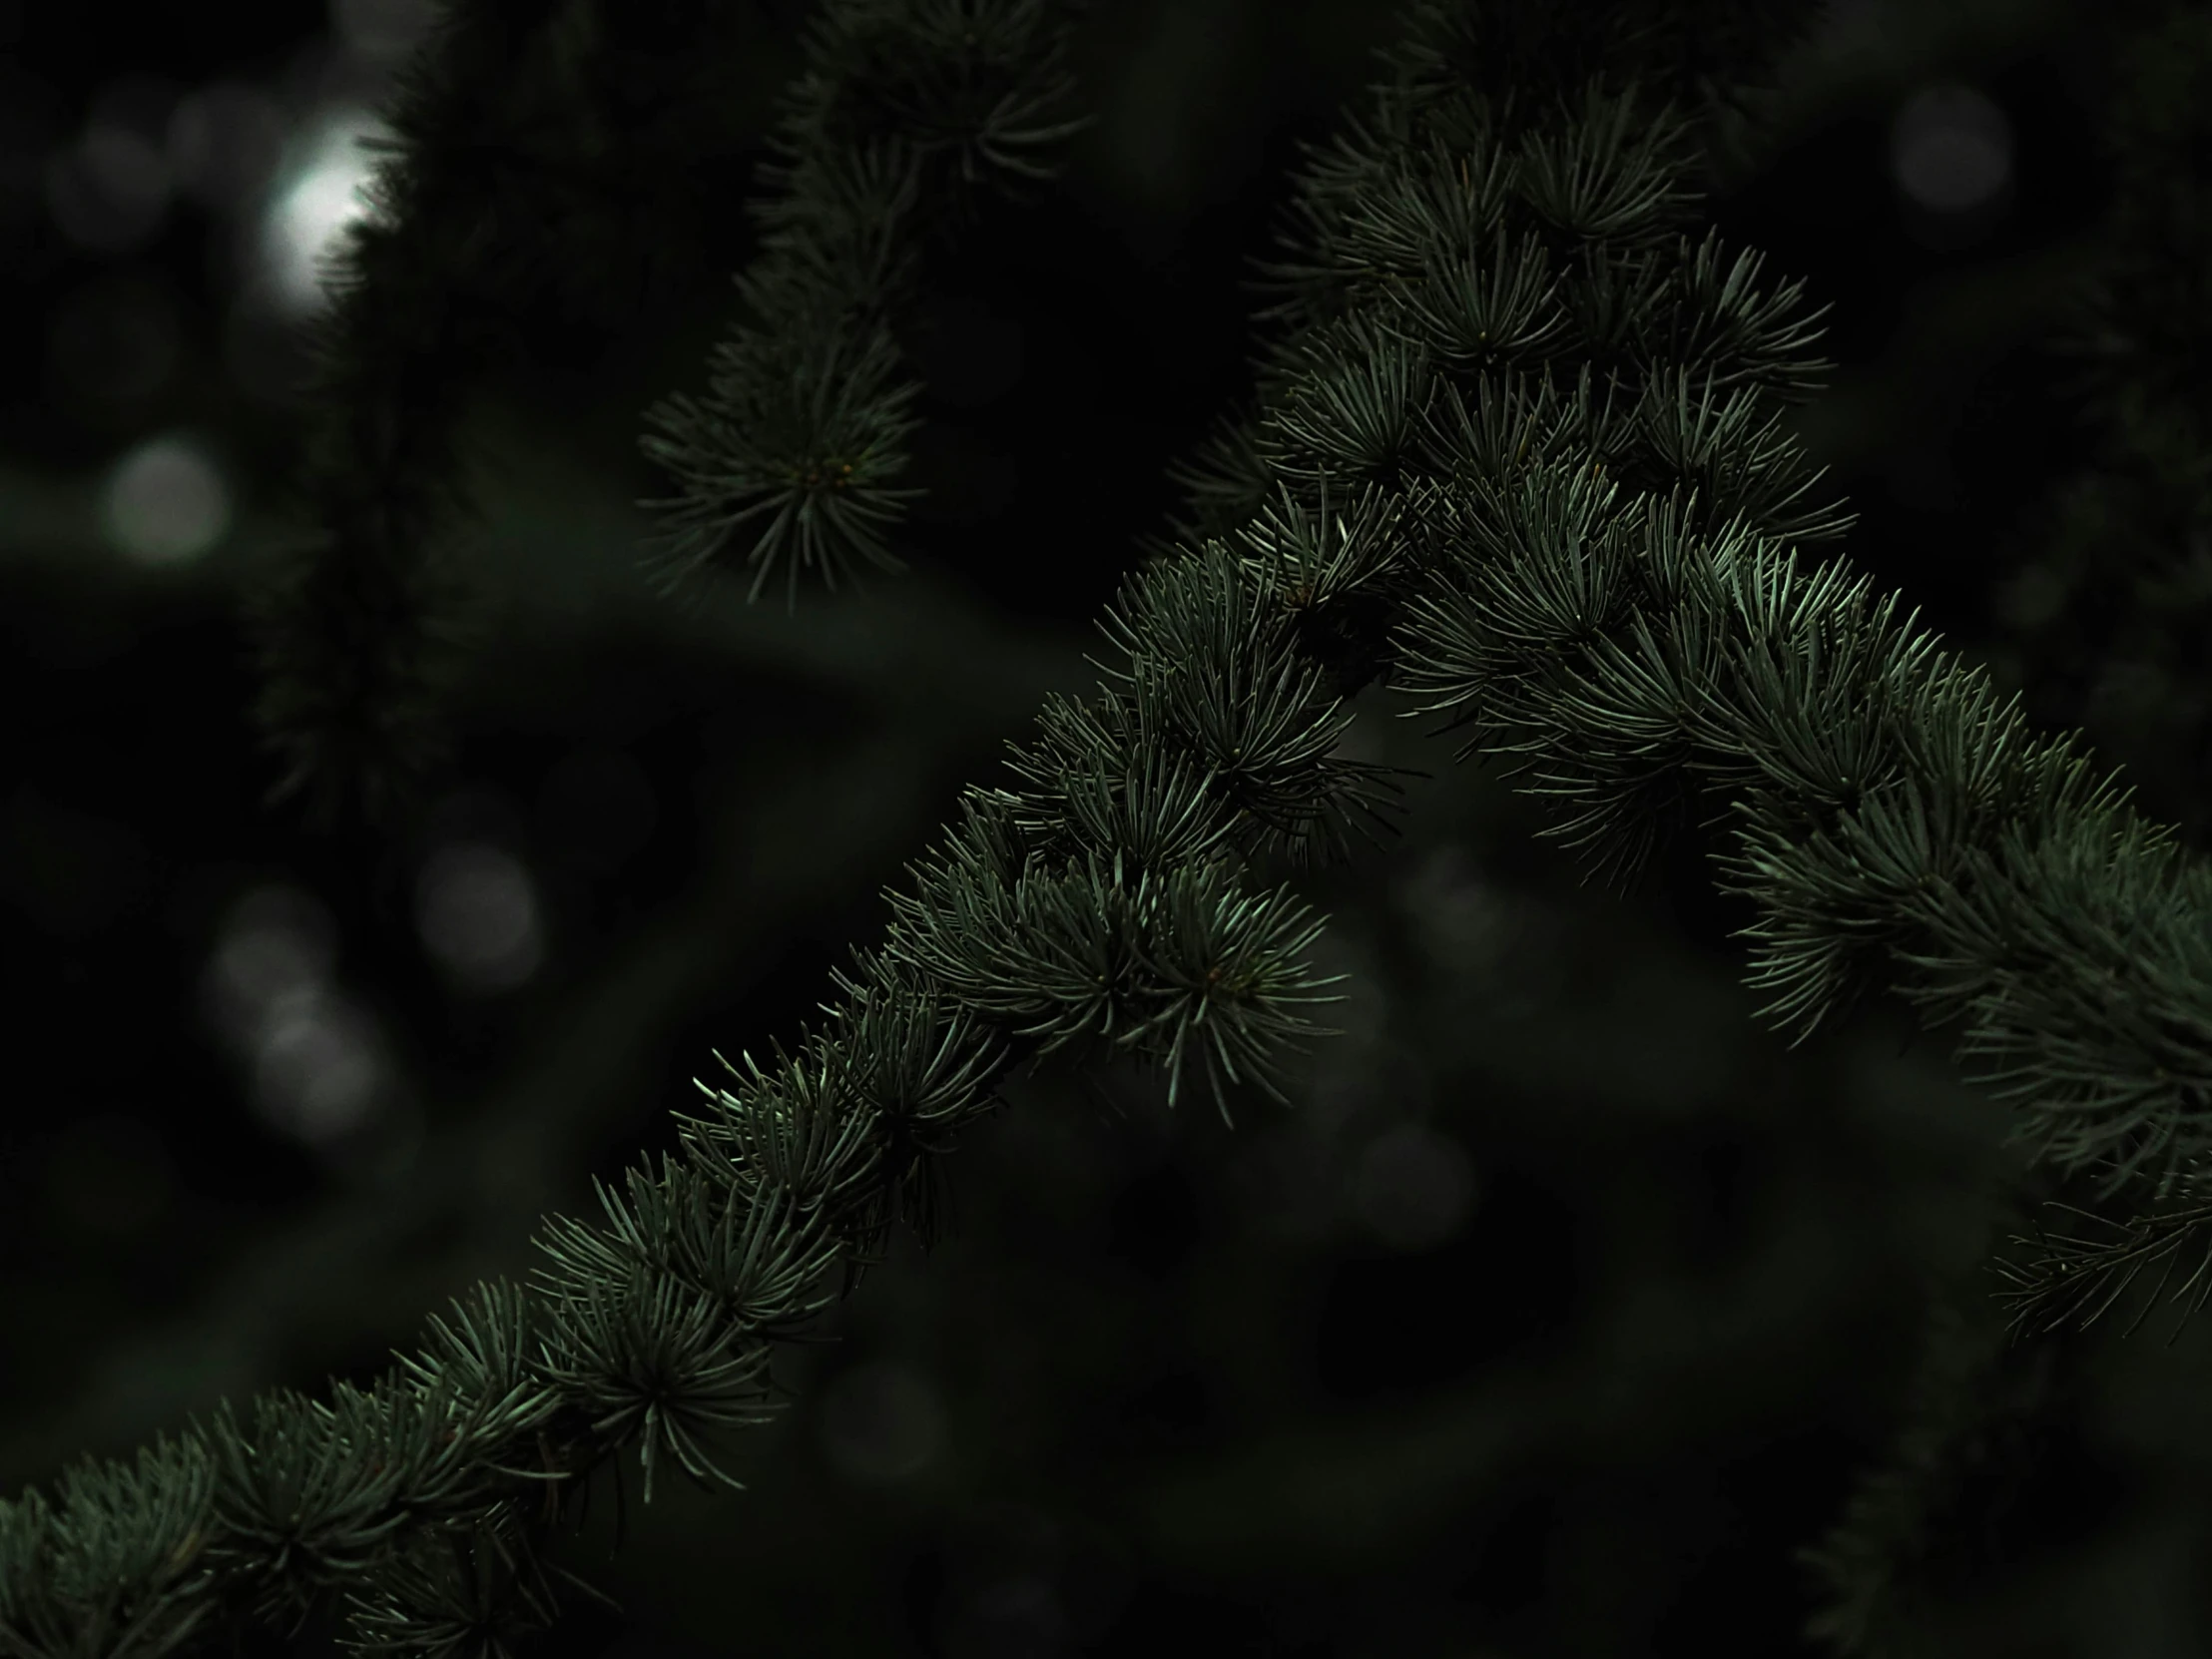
(2101, 603)
(476, 1597)
(1516, 455)
(2107, 610)
(2076, 1279)
(113, 1566)
(529, 158)
(907, 112)
(359, 630)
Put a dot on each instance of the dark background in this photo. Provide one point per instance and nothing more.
(1555, 1314)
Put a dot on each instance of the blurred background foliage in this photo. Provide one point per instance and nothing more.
(1554, 1318)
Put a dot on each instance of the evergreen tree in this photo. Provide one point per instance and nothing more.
(1515, 453)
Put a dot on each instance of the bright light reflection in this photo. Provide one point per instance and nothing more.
(317, 197)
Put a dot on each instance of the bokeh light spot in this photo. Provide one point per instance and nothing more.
(477, 911)
(276, 947)
(317, 1071)
(315, 203)
(882, 1421)
(1950, 149)
(1413, 1187)
(164, 501)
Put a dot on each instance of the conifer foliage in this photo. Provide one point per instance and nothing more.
(1516, 455)
(907, 112)
(2101, 602)
(361, 631)
(525, 157)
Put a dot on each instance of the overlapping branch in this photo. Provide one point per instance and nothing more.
(1513, 459)
(528, 157)
(359, 630)
(484, 196)
(908, 110)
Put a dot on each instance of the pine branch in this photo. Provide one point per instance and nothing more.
(467, 1187)
(1102, 909)
(500, 125)
(2078, 1277)
(2105, 588)
(1523, 474)
(529, 155)
(2116, 581)
(1886, 806)
(908, 107)
(359, 630)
